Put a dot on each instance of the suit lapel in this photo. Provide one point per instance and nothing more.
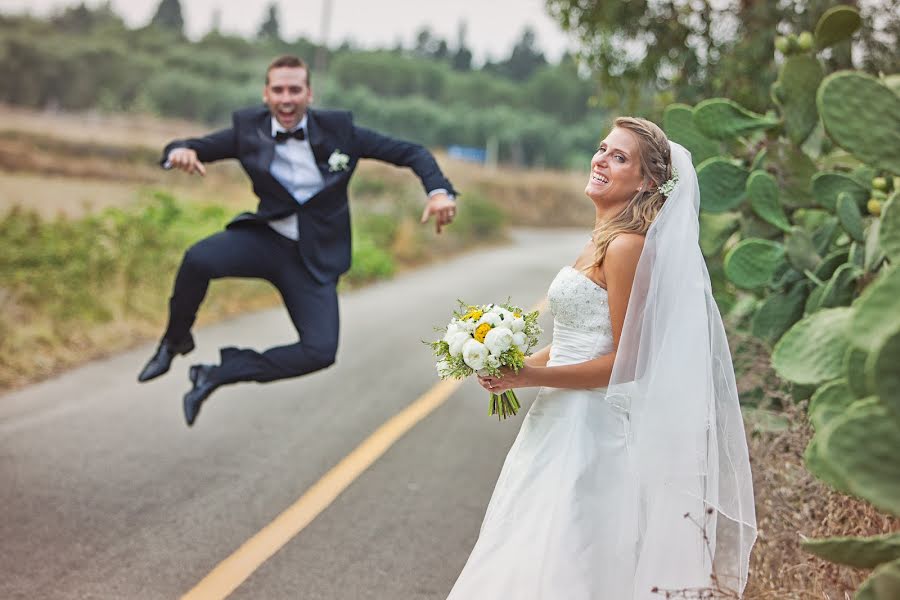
(318, 143)
(266, 143)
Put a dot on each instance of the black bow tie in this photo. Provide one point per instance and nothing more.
(283, 136)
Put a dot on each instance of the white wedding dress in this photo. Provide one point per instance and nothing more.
(557, 526)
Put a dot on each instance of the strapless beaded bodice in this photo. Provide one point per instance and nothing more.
(581, 325)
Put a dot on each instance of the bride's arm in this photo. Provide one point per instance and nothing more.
(539, 358)
(619, 265)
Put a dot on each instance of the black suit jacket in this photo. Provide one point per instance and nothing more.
(324, 219)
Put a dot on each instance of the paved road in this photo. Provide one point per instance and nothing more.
(105, 493)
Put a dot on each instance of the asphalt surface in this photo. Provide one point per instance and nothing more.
(105, 493)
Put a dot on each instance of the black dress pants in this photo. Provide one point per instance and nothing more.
(259, 252)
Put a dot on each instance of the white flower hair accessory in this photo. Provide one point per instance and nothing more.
(668, 187)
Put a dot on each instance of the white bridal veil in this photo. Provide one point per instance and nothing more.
(673, 373)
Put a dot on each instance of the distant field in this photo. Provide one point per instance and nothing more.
(56, 162)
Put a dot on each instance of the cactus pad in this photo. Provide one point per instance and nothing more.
(722, 184)
(862, 116)
(778, 312)
(855, 372)
(715, 229)
(860, 552)
(812, 351)
(752, 262)
(723, 119)
(678, 123)
(889, 230)
(883, 375)
(876, 313)
(801, 251)
(862, 446)
(836, 25)
(828, 401)
(850, 217)
(762, 190)
(800, 77)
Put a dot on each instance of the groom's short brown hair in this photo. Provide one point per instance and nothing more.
(289, 60)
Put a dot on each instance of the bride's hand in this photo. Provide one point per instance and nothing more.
(507, 380)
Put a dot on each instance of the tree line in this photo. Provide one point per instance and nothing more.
(535, 112)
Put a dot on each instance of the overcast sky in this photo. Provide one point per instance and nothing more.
(493, 25)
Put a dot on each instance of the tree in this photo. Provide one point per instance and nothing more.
(168, 16)
(524, 60)
(462, 57)
(270, 28)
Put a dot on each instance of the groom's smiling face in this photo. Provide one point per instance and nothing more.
(287, 94)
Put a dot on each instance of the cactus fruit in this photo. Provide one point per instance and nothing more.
(722, 184)
(828, 185)
(880, 183)
(860, 552)
(800, 77)
(812, 351)
(800, 250)
(782, 44)
(850, 217)
(861, 445)
(778, 312)
(723, 119)
(752, 262)
(678, 123)
(763, 193)
(862, 116)
(875, 313)
(836, 25)
(805, 41)
(889, 228)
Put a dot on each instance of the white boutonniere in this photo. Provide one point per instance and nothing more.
(338, 161)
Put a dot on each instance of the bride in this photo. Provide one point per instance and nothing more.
(630, 475)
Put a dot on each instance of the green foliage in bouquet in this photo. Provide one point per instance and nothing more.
(814, 186)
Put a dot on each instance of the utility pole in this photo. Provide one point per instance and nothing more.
(321, 60)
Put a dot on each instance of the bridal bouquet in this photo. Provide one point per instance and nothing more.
(482, 339)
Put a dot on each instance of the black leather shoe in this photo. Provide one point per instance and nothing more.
(162, 360)
(203, 387)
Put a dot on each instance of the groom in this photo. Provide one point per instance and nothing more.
(300, 161)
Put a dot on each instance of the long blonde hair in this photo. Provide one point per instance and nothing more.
(656, 169)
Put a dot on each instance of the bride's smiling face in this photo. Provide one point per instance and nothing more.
(615, 169)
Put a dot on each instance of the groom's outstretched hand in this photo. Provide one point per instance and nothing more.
(185, 159)
(443, 209)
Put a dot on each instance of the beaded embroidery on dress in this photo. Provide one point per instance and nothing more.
(554, 527)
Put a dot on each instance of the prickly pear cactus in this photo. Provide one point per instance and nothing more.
(799, 79)
(850, 217)
(722, 184)
(753, 262)
(860, 552)
(762, 189)
(836, 25)
(889, 231)
(876, 313)
(828, 185)
(778, 312)
(883, 375)
(862, 116)
(862, 445)
(812, 351)
(828, 401)
(678, 123)
(715, 229)
(723, 119)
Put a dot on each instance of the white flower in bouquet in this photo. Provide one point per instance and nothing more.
(498, 340)
(492, 362)
(492, 318)
(457, 342)
(517, 324)
(520, 339)
(452, 329)
(475, 354)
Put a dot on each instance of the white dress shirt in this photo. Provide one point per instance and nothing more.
(294, 166)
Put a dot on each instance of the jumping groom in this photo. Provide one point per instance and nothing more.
(300, 161)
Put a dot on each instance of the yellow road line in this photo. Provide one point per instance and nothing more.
(234, 570)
